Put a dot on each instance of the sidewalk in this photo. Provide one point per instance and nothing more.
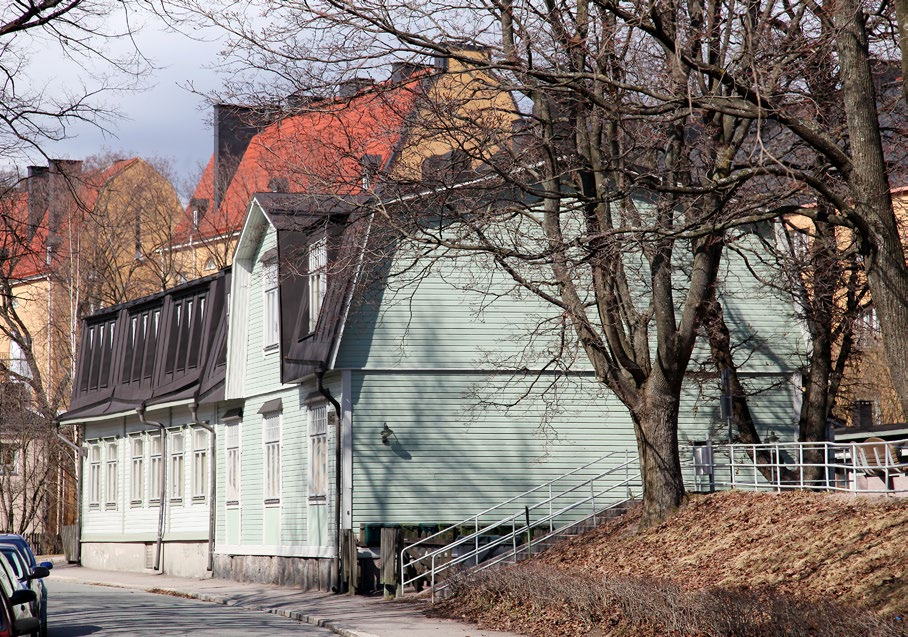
(350, 616)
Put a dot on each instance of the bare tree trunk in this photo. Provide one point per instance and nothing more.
(887, 274)
(656, 428)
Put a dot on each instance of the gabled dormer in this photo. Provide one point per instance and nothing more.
(297, 254)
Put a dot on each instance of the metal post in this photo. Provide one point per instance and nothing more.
(800, 463)
(627, 473)
(433, 578)
(514, 538)
(731, 464)
(854, 467)
(476, 542)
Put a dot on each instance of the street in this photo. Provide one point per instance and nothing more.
(75, 610)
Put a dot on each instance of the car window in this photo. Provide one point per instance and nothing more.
(5, 577)
(15, 560)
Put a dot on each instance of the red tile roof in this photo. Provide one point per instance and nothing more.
(319, 151)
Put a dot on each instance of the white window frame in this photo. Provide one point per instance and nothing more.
(318, 454)
(9, 466)
(200, 474)
(271, 319)
(232, 455)
(94, 475)
(111, 473)
(17, 360)
(177, 466)
(155, 466)
(137, 470)
(271, 440)
(318, 279)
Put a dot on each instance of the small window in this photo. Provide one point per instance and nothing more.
(271, 426)
(318, 453)
(271, 317)
(110, 475)
(155, 467)
(232, 445)
(9, 459)
(17, 361)
(94, 476)
(318, 279)
(199, 465)
(137, 470)
(176, 467)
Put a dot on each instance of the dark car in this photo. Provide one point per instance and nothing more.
(9, 625)
(28, 555)
(28, 578)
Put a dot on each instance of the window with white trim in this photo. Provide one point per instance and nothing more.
(9, 459)
(271, 318)
(232, 445)
(176, 466)
(94, 475)
(17, 361)
(110, 474)
(155, 467)
(318, 453)
(199, 465)
(271, 428)
(318, 279)
(137, 468)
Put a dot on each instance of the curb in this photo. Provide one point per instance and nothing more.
(226, 601)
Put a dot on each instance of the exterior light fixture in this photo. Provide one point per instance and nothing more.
(386, 434)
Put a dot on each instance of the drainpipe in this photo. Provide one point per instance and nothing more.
(338, 532)
(212, 477)
(162, 487)
(80, 452)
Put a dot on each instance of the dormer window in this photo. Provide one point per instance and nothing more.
(271, 307)
(318, 279)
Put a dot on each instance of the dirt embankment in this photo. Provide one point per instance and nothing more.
(727, 555)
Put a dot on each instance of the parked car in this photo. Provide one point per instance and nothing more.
(29, 578)
(9, 625)
(28, 555)
(16, 594)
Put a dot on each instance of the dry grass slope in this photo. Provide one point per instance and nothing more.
(828, 559)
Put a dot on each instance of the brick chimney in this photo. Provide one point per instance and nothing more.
(38, 179)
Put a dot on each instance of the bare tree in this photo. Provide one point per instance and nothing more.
(81, 32)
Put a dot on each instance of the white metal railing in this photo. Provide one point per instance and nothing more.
(511, 529)
(872, 467)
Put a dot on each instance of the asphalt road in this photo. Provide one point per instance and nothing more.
(75, 610)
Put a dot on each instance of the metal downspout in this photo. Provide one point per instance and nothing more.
(162, 484)
(212, 484)
(338, 532)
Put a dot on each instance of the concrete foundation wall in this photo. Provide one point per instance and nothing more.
(305, 573)
(183, 559)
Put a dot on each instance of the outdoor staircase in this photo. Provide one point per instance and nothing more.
(524, 525)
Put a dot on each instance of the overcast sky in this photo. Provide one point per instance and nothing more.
(164, 120)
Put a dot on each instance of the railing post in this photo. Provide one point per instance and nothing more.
(551, 521)
(433, 578)
(731, 464)
(514, 538)
(476, 542)
(627, 473)
(801, 463)
(593, 498)
(854, 468)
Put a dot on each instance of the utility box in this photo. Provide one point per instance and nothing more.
(704, 467)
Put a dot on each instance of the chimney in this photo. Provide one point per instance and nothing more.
(401, 71)
(349, 88)
(38, 178)
(234, 128)
(478, 54)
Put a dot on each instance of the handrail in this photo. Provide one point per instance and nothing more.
(440, 559)
(514, 499)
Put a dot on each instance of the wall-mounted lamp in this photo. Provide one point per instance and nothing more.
(386, 433)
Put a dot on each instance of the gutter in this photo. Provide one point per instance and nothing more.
(162, 485)
(338, 532)
(212, 480)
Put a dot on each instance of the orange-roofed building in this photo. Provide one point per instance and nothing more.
(73, 238)
(369, 135)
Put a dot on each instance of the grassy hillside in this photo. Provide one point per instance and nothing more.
(792, 563)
